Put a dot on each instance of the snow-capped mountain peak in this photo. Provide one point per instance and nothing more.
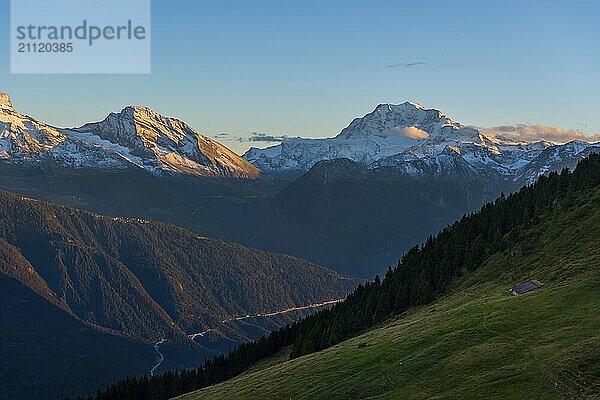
(387, 119)
(400, 135)
(162, 143)
(388, 130)
(23, 137)
(136, 136)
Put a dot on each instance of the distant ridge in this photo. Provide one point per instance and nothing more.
(135, 137)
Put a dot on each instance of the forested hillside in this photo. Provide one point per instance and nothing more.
(424, 274)
(46, 352)
(139, 280)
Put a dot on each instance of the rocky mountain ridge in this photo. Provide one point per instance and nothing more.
(135, 137)
(409, 138)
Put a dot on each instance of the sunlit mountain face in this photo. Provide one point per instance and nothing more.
(135, 137)
(414, 140)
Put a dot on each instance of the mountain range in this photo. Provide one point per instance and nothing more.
(417, 141)
(407, 137)
(352, 203)
(141, 250)
(136, 136)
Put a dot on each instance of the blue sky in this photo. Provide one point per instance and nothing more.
(307, 68)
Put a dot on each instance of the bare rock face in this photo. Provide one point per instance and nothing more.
(167, 144)
(5, 103)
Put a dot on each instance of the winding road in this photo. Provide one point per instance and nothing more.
(193, 336)
(267, 314)
(161, 358)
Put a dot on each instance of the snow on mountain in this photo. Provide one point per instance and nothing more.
(410, 139)
(137, 136)
(555, 158)
(406, 137)
(159, 143)
(387, 131)
(23, 137)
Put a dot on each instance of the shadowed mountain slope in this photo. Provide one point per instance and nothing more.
(146, 281)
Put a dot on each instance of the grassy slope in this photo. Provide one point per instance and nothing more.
(477, 342)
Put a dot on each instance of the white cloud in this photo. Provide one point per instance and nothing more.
(411, 132)
(536, 132)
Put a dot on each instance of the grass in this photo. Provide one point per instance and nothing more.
(477, 342)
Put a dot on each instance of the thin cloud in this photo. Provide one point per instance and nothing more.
(407, 65)
(253, 137)
(537, 132)
(262, 137)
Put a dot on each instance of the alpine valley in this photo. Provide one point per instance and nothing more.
(87, 296)
(137, 245)
(353, 202)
